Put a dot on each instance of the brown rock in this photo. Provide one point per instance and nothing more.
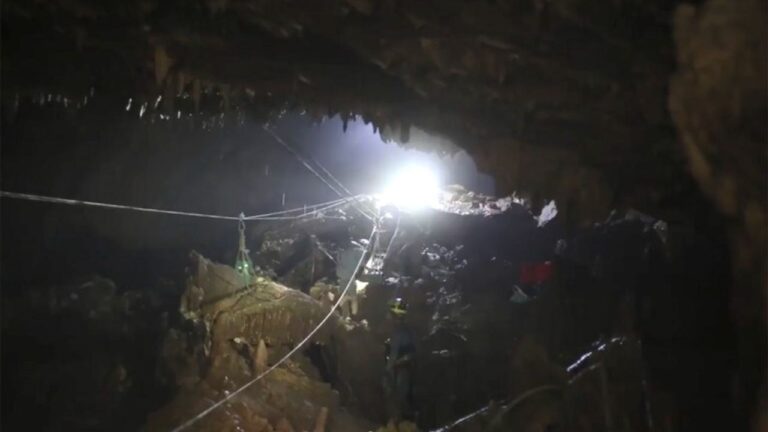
(322, 419)
(284, 426)
(261, 357)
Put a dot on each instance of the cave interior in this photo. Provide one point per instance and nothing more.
(592, 256)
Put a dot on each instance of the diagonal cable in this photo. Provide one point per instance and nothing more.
(279, 215)
(211, 408)
(311, 169)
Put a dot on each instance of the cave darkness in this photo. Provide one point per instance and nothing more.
(595, 260)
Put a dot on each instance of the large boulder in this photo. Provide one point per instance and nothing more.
(232, 335)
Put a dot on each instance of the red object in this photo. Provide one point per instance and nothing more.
(527, 273)
(533, 273)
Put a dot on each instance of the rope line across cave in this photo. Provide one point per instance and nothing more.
(278, 215)
(317, 208)
(344, 192)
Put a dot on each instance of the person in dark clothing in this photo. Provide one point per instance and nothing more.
(399, 352)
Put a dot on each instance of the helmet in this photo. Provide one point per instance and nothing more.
(398, 306)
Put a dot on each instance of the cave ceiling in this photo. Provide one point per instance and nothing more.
(563, 99)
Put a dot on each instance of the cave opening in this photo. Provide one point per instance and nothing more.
(359, 215)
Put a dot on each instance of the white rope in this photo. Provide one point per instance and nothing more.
(308, 166)
(329, 204)
(506, 407)
(267, 216)
(318, 208)
(210, 409)
(31, 197)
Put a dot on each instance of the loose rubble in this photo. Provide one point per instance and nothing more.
(571, 355)
(452, 265)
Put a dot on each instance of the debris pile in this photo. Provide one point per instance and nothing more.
(500, 309)
(456, 199)
(454, 267)
(234, 337)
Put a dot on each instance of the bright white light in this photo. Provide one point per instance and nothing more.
(412, 188)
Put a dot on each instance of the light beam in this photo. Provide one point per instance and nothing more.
(412, 188)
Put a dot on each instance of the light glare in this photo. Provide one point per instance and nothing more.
(412, 188)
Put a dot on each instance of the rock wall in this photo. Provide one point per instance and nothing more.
(718, 102)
